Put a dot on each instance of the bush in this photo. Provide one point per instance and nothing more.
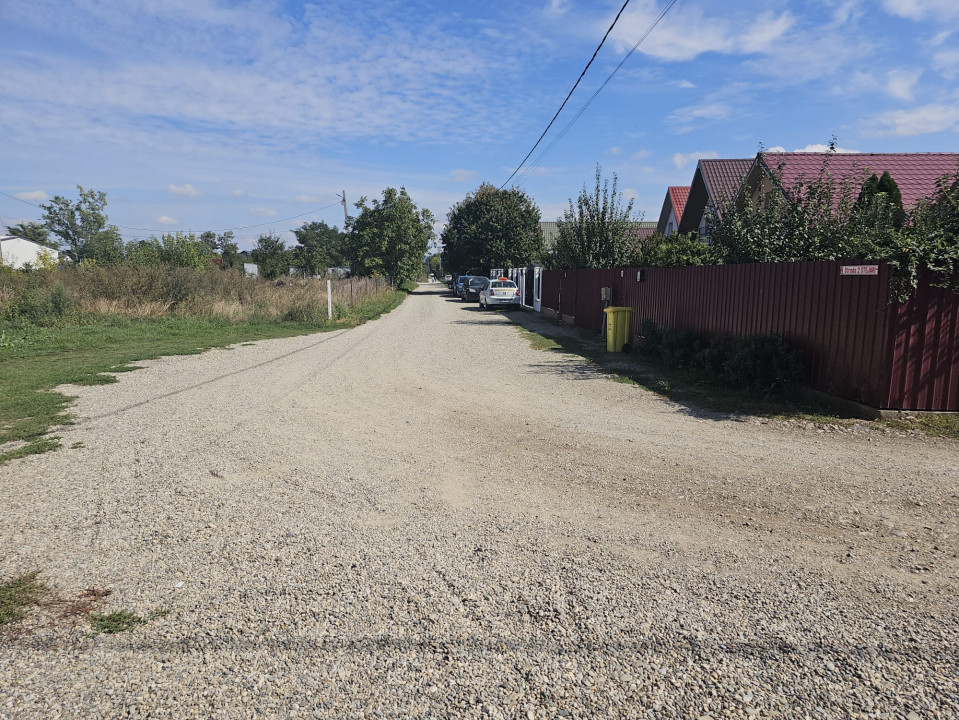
(651, 337)
(41, 305)
(759, 362)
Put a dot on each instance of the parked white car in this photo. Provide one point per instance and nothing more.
(499, 292)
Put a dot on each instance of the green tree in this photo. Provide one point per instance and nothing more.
(271, 255)
(434, 265)
(209, 239)
(884, 187)
(82, 222)
(596, 231)
(390, 236)
(185, 250)
(229, 250)
(34, 232)
(492, 228)
(144, 253)
(318, 247)
(105, 247)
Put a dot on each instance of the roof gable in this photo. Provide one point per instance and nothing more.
(715, 181)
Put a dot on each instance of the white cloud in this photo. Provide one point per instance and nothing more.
(640, 154)
(817, 148)
(947, 63)
(704, 111)
(776, 149)
(462, 176)
(685, 84)
(687, 32)
(900, 83)
(922, 120)
(167, 220)
(313, 199)
(681, 160)
(264, 212)
(923, 9)
(630, 193)
(187, 190)
(32, 196)
(558, 7)
(940, 37)
(238, 193)
(615, 150)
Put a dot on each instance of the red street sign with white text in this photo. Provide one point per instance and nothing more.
(859, 270)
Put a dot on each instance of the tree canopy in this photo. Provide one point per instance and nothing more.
(390, 237)
(34, 232)
(319, 247)
(271, 255)
(492, 228)
(595, 232)
(82, 227)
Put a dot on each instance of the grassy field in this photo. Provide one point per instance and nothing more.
(33, 360)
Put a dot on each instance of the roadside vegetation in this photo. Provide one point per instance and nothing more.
(82, 347)
(112, 304)
(698, 389)
(18, 594)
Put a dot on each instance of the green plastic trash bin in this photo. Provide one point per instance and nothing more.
(617, 327)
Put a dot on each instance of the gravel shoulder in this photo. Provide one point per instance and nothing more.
(425, 517)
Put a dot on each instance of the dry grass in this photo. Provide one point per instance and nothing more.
(71, 294)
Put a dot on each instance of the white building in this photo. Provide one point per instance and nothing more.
(16, 252)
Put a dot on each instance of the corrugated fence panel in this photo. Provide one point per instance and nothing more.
(856, 345)
(924, 367)
(549, 290)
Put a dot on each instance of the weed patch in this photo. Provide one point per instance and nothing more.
(18, 594)
(940, 425)
(115, 622)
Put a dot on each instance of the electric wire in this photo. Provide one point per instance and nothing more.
(529, 168)
(569, 95)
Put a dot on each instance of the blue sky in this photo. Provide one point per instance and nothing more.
(205, 114)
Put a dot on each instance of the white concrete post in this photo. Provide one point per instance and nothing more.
(329, 300)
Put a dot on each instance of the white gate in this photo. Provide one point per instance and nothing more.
(537, 288)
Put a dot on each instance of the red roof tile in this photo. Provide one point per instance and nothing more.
(915, 173)
(723, 178)
(677, 196)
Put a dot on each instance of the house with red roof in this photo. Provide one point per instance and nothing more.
(672, 209)
(916, 174)
(715, 183)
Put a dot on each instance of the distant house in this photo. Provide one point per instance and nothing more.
(672, 211)
(916, 174)
(16, 252)
(715, 183)
(550, 231)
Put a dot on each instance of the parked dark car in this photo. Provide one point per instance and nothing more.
(471, 289)
(457, 286)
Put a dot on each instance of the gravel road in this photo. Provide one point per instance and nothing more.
(424, 517)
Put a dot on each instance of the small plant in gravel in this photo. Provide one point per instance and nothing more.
(18, 594)
(115, 622)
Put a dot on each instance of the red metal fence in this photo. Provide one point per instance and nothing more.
(857, 345)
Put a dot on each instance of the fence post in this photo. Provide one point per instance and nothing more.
(329, 299)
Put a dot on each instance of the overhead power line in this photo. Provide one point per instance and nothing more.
(569, 95)
(168, 230)
(598, 90)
